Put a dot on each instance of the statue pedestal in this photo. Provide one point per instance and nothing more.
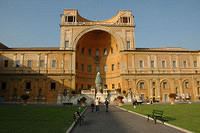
(101, 97)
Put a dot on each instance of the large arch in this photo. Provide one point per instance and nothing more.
(88, 62)
(102, 28)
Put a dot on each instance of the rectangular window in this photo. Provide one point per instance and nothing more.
(41, 63)
(97, 68)
(113, 67)
(3, 85)
(53, 86)
(118, 64)
(186, 84)
(82, 50)
(113, 86)
(105, 68)
(195, 63)
(166, 97)
(198, 82)
(163, 64)
(17, 63)
(124, 19)
(184, 64)
(97, 52)
(165, 85)
(105, 86)
(28, 85)
(112, 51)
(89, 68)
(81, 86)
(128, 44)
(53, 64)
(142, 85)
(29, 63)
(154, 92)
(89, 51)
(141, 64)
(76, 65)
(119, 86)
(66, 44)
(105, 51)
(89, 86)
(152, 63)
(82, 67)
(5, 63)
(70, 18)
(174, 64)
(142, 97)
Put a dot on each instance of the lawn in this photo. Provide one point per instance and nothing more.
(182, 115)
(36, 119)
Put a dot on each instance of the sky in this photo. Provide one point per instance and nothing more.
(159, 23)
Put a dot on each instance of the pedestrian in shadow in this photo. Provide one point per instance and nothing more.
(92, 106)
(106, 103)
(97, 104)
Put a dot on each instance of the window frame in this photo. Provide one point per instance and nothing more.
(142, 86)
(28, 85)
(163, 64)
(113, 67)
(174, 64)
(29, 63)
(53, 65)
(53, 86)
(5, 63)
(89, 68)
(105, 68)
(3, 85)
(141, 63)
(67, 44)
(41, 63)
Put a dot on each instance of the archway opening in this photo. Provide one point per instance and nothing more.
(97, 51)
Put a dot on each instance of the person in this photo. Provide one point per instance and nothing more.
(92, 106)
(134, 102)
(97, 104)
(106, 103)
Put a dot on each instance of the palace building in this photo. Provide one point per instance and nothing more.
(88, 47)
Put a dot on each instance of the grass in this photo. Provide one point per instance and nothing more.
(182, 115)
(36, 119)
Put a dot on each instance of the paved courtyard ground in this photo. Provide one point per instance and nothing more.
(119, 121)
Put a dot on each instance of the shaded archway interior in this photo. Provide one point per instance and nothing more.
(96, 51)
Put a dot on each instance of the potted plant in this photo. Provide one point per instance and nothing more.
(73, 92)
(124, 92)
(120, 99)
(25, 98)
(172, 97)
(83, 99)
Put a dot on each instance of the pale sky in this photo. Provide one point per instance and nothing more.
(159, 23)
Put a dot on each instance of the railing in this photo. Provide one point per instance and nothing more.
(98, 23)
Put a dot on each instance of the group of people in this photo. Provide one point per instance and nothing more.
(95, 104)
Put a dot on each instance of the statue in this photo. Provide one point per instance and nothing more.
(98, 82)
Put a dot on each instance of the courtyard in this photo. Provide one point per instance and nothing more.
(57, 119)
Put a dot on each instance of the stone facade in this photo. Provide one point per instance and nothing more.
(87, 47)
